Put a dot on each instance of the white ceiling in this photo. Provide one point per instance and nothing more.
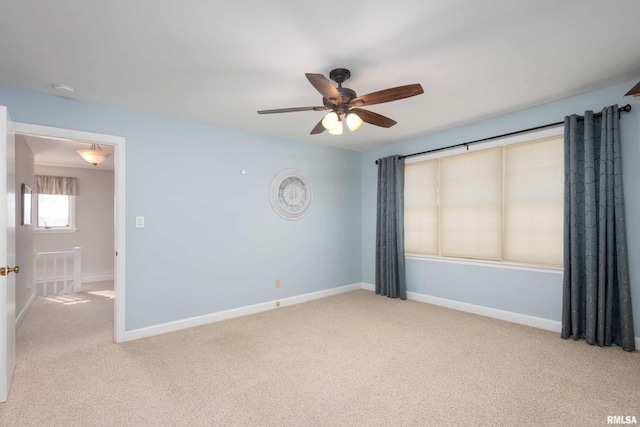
(219, 62)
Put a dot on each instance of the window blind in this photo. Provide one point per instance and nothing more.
(471, 204)
(421, 208)
(503, 203)
(533, 202)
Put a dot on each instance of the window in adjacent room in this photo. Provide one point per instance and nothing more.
(56, 212)
(56, 203)
(502, 201)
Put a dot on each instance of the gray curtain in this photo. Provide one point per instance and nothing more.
(596, 302)
(390, 274)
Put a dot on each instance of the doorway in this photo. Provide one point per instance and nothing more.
(115, 144)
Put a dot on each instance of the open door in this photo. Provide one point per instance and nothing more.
(7, 254)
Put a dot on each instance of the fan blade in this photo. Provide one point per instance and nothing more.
(635, 91)
(374, 118)
(325, 87)
(318, 129)
(292, 110)
(387, 95)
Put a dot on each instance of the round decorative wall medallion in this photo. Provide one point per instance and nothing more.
(290, 194)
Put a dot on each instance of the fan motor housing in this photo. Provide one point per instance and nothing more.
(339, 75)
(345, 93)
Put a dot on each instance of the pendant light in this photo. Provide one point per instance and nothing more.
(94, 155)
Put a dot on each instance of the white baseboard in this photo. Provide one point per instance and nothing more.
(25, 310)
(509, 316)
(523, 319)
(236, 312)
(100, 277)
(536, 322)
(298, 299)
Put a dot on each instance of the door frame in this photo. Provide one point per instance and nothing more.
(118, 142)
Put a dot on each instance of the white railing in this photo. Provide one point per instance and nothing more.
(57, 272)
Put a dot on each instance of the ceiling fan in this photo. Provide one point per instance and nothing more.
(343, 101)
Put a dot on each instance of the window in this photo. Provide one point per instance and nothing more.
(502, 201)
(56, 203)
(56, 212)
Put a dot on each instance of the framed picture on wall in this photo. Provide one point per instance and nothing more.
(26, 205)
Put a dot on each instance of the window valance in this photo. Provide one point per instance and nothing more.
(61, 185)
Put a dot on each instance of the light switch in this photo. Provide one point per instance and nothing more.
(139, 222)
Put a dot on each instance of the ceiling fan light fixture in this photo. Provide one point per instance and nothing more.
(95, 155)
(353, 121)
(330, 121)
(341, 99)
(337, 130)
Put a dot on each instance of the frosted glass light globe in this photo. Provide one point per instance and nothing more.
(330, 121)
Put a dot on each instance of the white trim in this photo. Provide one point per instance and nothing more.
(25, 310)
(99, 277)
(54, 230)
(77, 135)
(492, 143)
(369, 287)
(298, 299)
(119, 242)
(508, 316)
(71, 228)
(487, 263)
(236, 312)
(61, 165)
(119, 200)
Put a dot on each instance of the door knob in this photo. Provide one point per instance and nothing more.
(4, 271)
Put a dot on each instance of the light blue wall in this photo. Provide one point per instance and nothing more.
(211, 241)
(531, 293)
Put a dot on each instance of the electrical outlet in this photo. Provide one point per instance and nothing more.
(277, 283)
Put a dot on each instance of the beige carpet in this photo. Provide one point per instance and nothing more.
(355, 359)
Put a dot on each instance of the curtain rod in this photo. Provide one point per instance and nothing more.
(624, 109)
